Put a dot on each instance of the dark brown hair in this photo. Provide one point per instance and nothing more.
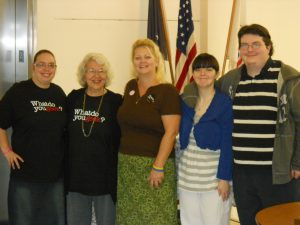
(205, 60)
(42, 51)
(259, 30)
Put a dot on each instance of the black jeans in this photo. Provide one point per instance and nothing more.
(253, 191)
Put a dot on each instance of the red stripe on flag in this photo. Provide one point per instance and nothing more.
(185, 68)
(239, 62)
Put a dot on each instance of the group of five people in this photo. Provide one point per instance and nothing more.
(115, 155)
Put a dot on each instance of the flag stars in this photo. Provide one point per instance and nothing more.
(184, 36)
(185, 24)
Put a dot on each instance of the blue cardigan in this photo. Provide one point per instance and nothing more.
(213, 131)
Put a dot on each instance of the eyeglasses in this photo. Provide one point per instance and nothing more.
(94, 72)
(254, 45)
(41, 65)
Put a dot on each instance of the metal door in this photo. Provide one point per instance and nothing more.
(16, 29)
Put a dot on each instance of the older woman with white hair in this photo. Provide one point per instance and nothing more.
(93, 135)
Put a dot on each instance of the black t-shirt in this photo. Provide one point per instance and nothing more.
(92, 160)
(38, 119)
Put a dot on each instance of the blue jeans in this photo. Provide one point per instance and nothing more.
(253, 191)
(79, 209)
(32, 203)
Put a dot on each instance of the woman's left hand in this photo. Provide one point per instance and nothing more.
(224, 189)
(156, 178)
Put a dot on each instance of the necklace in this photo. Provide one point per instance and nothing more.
(82, 121)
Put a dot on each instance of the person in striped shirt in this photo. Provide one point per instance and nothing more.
(205, 155)
(266, 139)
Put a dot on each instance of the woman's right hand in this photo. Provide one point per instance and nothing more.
(156, 179)
(13, 159)
(224, 189)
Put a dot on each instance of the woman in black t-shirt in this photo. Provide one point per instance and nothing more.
(93, 135)
(35, 109)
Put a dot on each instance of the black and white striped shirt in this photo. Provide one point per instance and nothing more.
(255, 111)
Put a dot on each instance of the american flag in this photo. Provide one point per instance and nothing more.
(185, 46)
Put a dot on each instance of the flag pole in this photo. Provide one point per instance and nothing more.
(166, 33)
(232, 18)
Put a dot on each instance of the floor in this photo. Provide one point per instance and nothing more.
(234, 217)
(234, 223)
(233, 220)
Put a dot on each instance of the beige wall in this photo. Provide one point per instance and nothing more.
(280, 17)
(72, 28)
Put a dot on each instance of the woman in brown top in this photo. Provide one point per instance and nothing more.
(149, 119)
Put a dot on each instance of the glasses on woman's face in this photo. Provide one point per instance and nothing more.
(92, 71)
(254, 45)
(41, 65)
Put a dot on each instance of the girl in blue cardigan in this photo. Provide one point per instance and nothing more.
(205, 162)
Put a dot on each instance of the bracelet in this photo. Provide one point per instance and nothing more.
(5, 152)
(158, 169)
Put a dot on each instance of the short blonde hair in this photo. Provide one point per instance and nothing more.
(154, 49)
(101, 60)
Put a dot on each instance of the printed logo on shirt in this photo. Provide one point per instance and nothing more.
(88, 116)
(45, 106)
(230, 91)
(282, 108)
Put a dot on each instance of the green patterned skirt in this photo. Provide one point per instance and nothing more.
(137, 202)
